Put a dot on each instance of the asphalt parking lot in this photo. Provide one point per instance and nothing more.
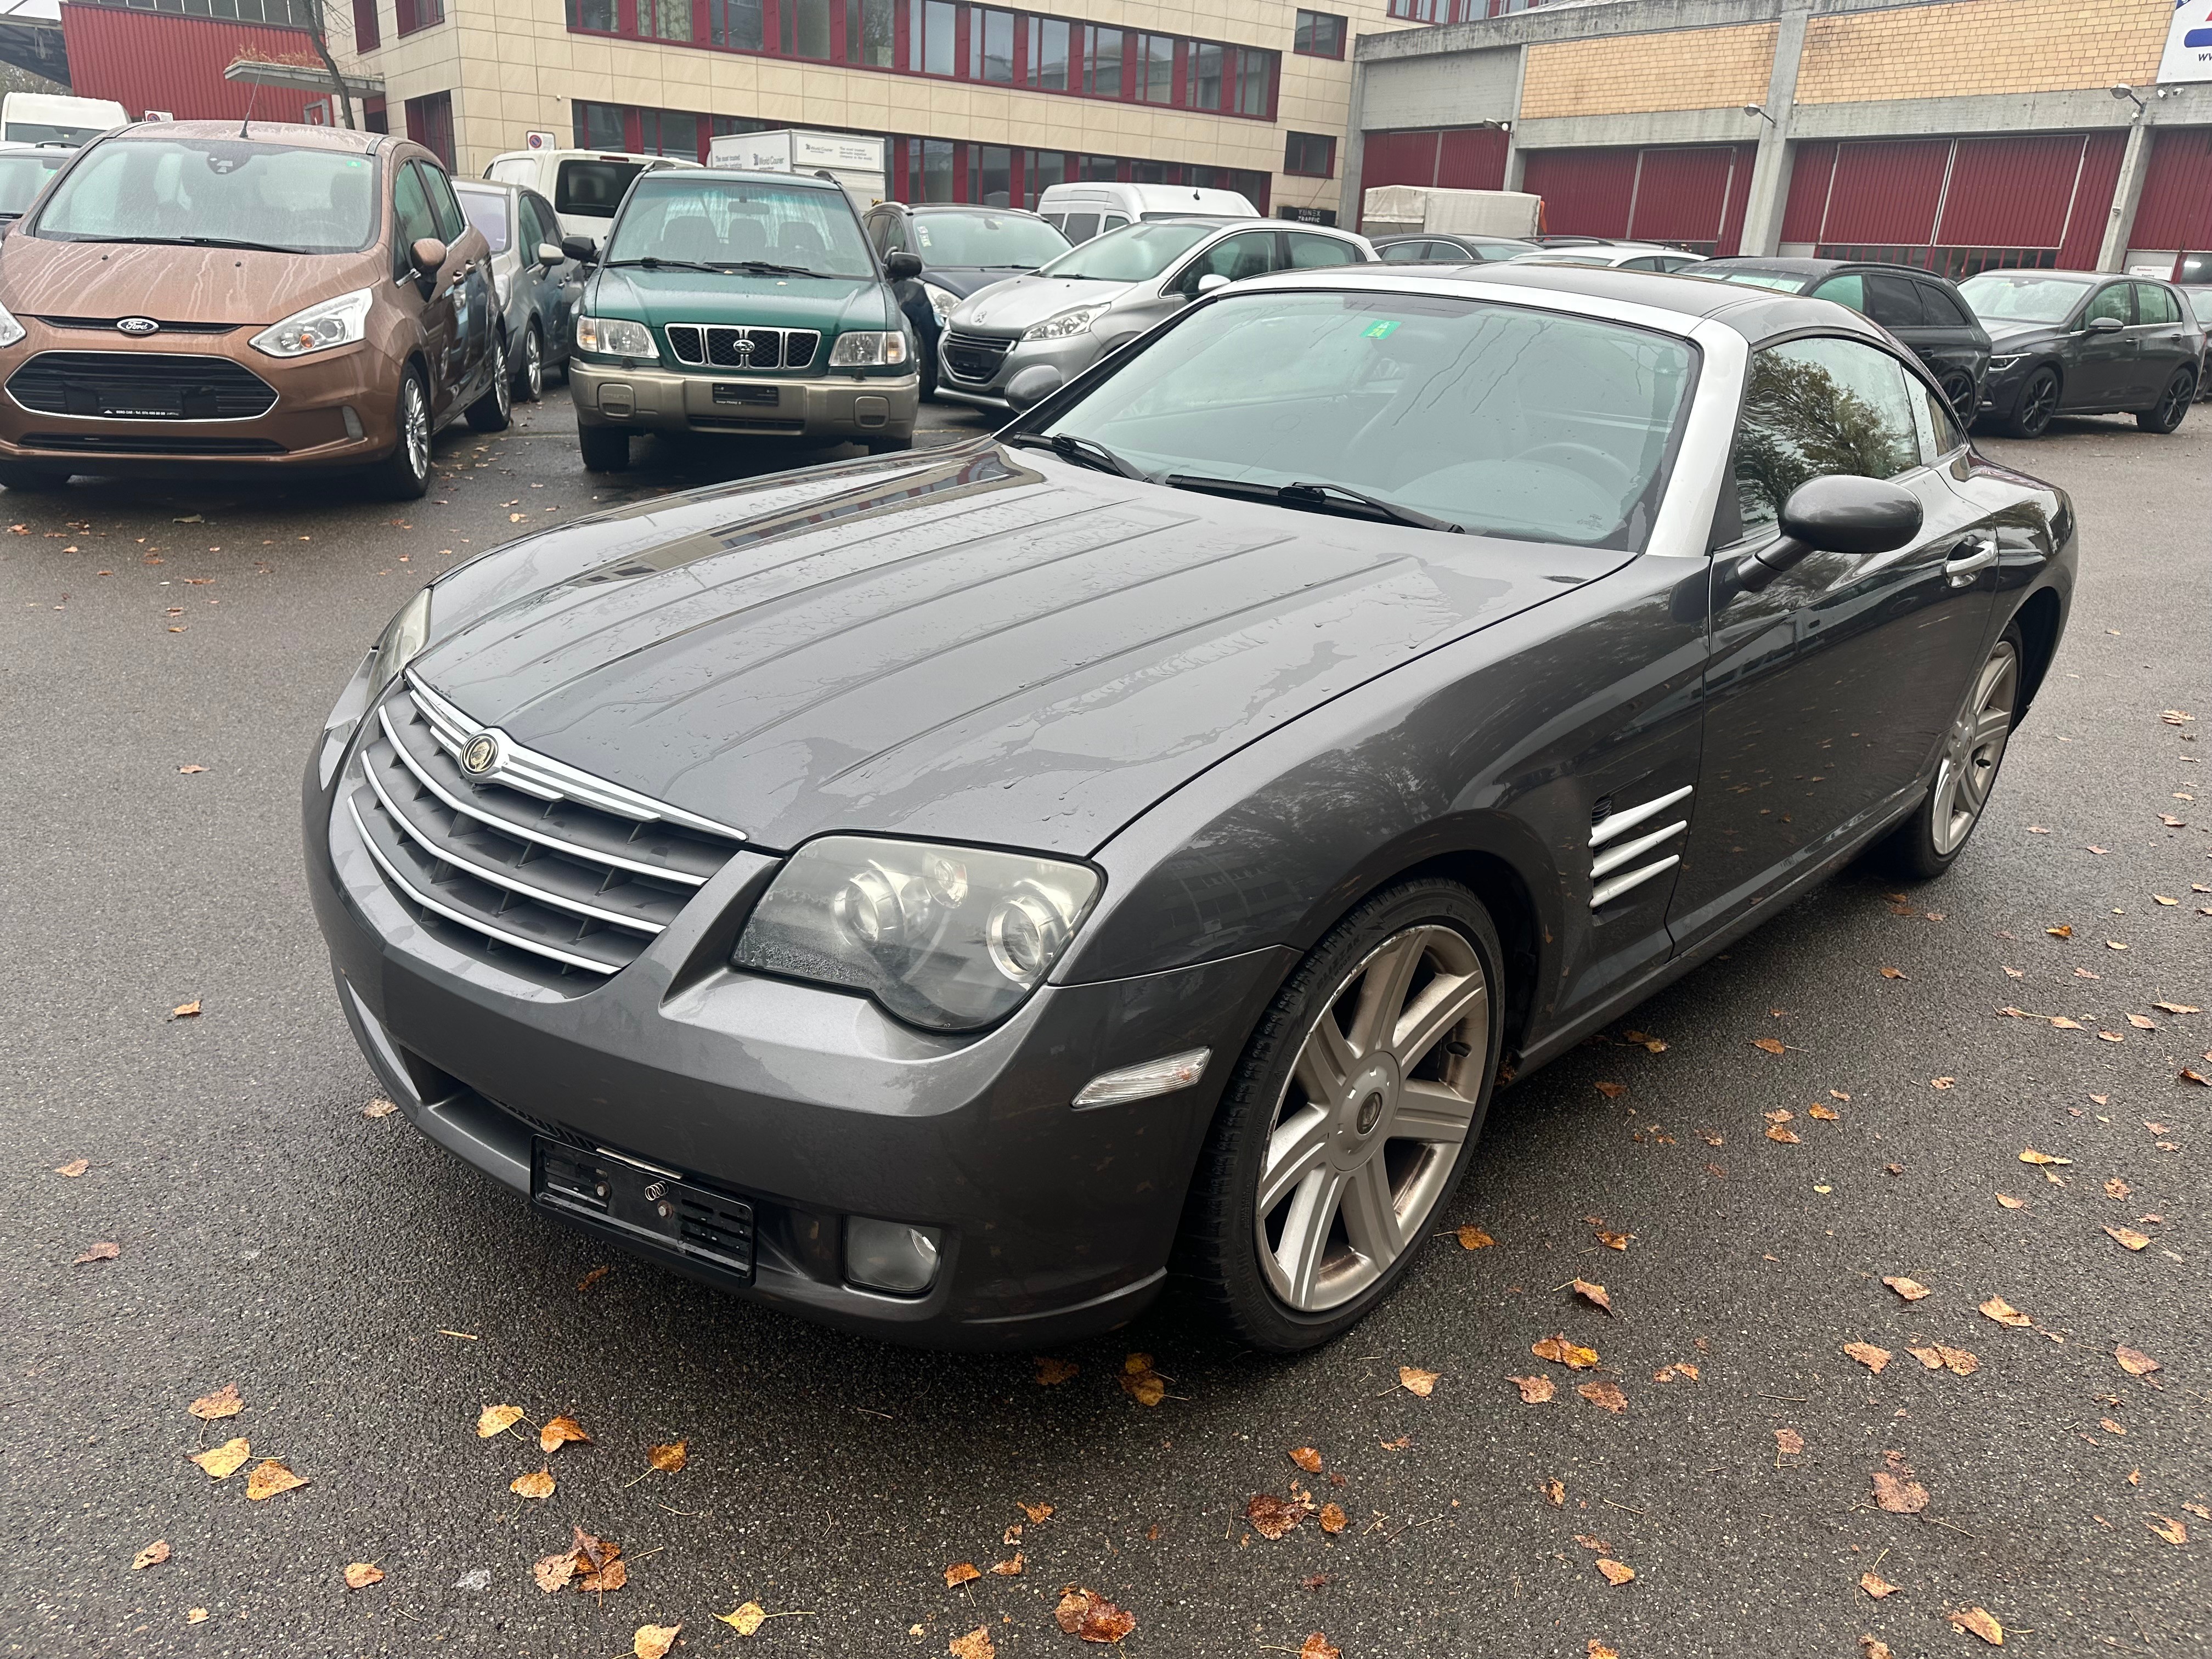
(170, 652)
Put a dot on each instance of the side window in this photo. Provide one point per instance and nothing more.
(1943, 311)
(1814, 408)
(452, 222)
(1406, 253)
(1251, 253)
(1307, 250)
(1939, 425)
(411, 218)
(2111, 301)
(1080, 227)
(1893, 302)
(2154, 305)
(533, 229)
(1113, 221)
(1649, 262)
(1846, 290)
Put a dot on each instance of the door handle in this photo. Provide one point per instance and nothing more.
(1969, 558)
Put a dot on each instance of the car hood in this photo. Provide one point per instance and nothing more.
(1028, 299)
(989, 645)
(964, 280)
(657, 297)
(241, 286)
(2015, 336)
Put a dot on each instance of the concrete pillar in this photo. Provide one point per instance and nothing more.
(1351, 158)
(2135, 163)
(1770, 170)
(1516, 158)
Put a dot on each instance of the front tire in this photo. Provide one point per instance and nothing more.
(606, 448)
(15, 475)
(529, 369)
(2172, 404)
(1350, 1119)
(492, 411)
(1962, 393)
(928, 372)
(1927, 844)
(2039, 402)
(406, 475)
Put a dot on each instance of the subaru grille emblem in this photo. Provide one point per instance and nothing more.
(476, 759)
(744, 350)
(137, 325)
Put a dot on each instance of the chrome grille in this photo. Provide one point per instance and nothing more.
(528, 854)
(711, 345)
(1614, 866)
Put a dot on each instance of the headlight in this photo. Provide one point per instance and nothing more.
(1068, 322)
(943, 302)
(1998, 365)
(341, 321)
(403, 639)
(866, 347)
(615, 336)
(951, 938)
(10, 330)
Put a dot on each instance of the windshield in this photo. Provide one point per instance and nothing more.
(2021, 298)
(2200, 301)
(681, 215)
(1013, 241)
(1560, 260)
(216, 190)
(37, 132)
(487, 211)
(1134, 254)
(1507, 421)
(1781, 281)
(592, 190)
(23, 174)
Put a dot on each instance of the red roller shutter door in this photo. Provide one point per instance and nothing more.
(1470, 158)
(2093, 201)
(2010, 192)
(1586, 193)
(1811, 174)
(1886, 193)
(1687, 195)
(2176, 209)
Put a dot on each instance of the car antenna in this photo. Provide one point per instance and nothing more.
(249, 98)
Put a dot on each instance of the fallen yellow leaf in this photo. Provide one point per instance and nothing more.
(2134, 1361)
(222, 1461)
(961, 1572)
(1616, 1573)
(975, 1645)
(152, 1555)
(1876, 1586)
(1981, 1623)
(496, 1419)
(2004, 1313)
(670, 1459)
(268, 1478)
(1910, 1290)
(223, 1402)
(1414, 1379)
(2129, 1238)
(536, 1483)
(361, 1574)
(748, 1617)
(1050, 1372)
(1867, 1355)
(1534, 1390)
(654, 1641)
(1473, 1238)
(559, 1431)
(1558, 1350)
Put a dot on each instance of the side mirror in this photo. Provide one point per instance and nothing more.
(1032, 387)
(1834, 514)
(2102, 325)
(902, 267)
(428, 254)
(549, 254)
(1212, 281)
(582, 249)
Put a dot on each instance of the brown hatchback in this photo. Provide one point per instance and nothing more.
(191, 296)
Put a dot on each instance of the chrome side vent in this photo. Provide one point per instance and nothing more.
(1614, 852)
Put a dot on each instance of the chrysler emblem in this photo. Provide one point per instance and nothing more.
(482, 750)
(137, 325)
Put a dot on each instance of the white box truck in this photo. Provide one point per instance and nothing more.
(47, 118)
(854, 159)
(1391, 209)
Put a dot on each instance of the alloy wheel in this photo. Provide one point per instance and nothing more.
(2180, 391)
(501, 388)
(2037, 402)
(533, 364)
(1959, 391)
(1370, 1122)
(1974, 749)
(414, 425)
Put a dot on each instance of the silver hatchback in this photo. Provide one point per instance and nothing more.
(1098, 296)
(535, 285)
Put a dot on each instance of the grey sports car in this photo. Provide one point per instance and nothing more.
(953, 895)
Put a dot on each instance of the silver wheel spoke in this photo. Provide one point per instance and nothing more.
(1994, 723)
(1296, 1150)
(1306, 1233)
(1370, 1213)
(1445, 1002)
(1326, 1063)
(1383, 991)
(1431, 1112)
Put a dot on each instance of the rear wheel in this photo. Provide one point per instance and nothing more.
(1925, 845)
(15, 475)
(1350, 1119)
(1959, 391)
(406, 475)
(2172, 404)
(530, 367)
(2039, 402)
(492, 411)
(606, 448)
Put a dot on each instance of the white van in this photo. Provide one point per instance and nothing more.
(584, 185)
(1080, 212)
(48, 118)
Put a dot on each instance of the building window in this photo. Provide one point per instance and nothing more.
(664, 20)
(430, 123)
(734, 23)
(806, 28)
(995, 31)
(668, 132)
(1102, 62)
(366, 37)
(413, 15)
(1310, 154)
(1049, 56)
(1155, 55)
(1319, 34)
(600, 126)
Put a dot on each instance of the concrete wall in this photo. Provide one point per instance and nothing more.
(1455, 90)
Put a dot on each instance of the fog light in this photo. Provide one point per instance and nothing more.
(352, 419)
(890, 1256)
(1155, 1077)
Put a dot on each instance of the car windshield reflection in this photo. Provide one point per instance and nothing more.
(1500, 419)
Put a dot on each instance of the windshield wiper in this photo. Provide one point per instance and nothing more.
(1069, 448)
(1313, 495)
(194, 241)
(769, 268)
(654, 262)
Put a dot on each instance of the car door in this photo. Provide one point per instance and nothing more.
(1246, 253)
(549, 278)
(1827, 693)
(1306, 250)
(428, 295)
(1952, 344)
(477, 319)
(2101, 364)
(2164, 340)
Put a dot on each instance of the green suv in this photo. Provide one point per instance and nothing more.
(744, 304)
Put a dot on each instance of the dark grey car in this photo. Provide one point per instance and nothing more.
(1439, 248)
(2084, 343)
(945, 895)
(536, 284)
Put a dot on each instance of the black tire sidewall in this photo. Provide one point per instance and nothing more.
(2019, 425)
(1220, 1253)
(2153, 418)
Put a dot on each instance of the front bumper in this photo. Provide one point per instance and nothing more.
(808, 1105)
(827, 409)
(1070, 355)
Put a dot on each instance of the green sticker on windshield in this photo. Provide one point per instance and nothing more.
(1377, 330)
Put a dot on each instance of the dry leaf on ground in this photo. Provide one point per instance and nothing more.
(268, 1478)
(670, 1459)
(1534, 1390)
(1593, 1294)
(361, 1574)
(1272, 1516)
(1141, 1382)
(558, 1431)
(1613, 1240)
(751, 1616)
(1769, 1044)
(1875, 1585)
(2134, 1361)
(2004, 1313)
(1333, 1520)
(185, 1010)
(1051, 1371)
(1009, 1569)
(105, 1250)
(1318, 1646)
(1679, 1368)
(654, 1641)
(73, 1169)
(1414, 1379)
(1910, 1290)
(593, 1277)
(1306, 1458)
(496, 1419)
(1943, 1083)
(223, 1402)
(1616, 1573)
(1873, 1647)
(536, 1483)
(1606, 1396)
(1789, 1442)
(1561, 1352)
(1611, 1091)
(2031, 1156)
(553, 1571)
(1775, 1132)
(1826, 1113)
(975, 1645)
(2010, 1203)
(152, 1556)
(2128, 1238)
(1035, 1511)
(1597, 1650)
(1555, 1492)
(222, 1461)
(1981, 1623)
(1473, 1238)
(1896, 1490)
(1867, 1355)
(961, 1572)
(197, 1616)
(1090, 1615)
(2173, 1531)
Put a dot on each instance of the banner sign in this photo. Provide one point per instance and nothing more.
(2188, 43)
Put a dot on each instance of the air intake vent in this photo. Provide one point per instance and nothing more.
(1621, 861)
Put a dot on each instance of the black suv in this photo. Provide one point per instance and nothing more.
(1921, 309)
(963, 250)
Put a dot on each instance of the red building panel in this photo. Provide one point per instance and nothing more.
(1471, 158)
(1458, 158)
(2011, 191)
(2093, 201)
(1682, 195)
(1812, 174)
(1886, 193)
(1739, 203)
(162, 60)
(2176, 209)
(1587, 192)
